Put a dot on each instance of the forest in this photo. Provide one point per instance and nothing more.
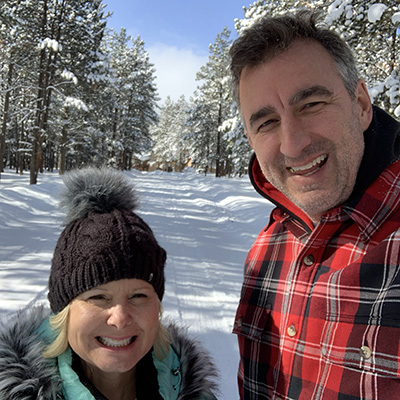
(74, 92)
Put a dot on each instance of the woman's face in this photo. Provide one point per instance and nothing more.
(111, 327)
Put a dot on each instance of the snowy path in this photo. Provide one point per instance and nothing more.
(205, 224)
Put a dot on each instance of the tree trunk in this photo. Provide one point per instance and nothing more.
(62, 161)
(39, 105)
(46, 78)
(5, 118)
(218, 168)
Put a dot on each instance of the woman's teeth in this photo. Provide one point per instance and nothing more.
(114, 343)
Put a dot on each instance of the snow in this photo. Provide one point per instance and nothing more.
(376, 90)
(50, 44)
(396, 18)
(68, 75)
(74, 102)
(336, 9)
(206, 224)
(375, 12)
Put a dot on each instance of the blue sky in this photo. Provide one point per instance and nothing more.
(176, 34)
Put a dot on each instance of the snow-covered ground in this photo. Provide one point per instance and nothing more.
(205, 224)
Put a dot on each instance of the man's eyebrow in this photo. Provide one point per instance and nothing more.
(311, 91)
(261, 113)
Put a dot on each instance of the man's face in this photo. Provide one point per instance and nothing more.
(306, 130)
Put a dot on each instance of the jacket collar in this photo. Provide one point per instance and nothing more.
(382, 150)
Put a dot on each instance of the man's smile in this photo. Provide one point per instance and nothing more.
(310, 167)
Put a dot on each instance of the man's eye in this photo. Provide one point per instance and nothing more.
(267, 124)
(313, 105)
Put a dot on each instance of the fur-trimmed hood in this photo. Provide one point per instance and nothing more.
(26, 375)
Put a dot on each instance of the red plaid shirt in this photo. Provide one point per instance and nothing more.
(319, 314)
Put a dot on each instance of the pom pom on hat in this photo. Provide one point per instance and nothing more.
(103, 240)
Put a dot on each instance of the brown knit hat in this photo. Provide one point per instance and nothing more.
(103, 240)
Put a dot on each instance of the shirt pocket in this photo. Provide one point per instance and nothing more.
(253, 322)
(357, 344)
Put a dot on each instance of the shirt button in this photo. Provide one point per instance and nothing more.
(292, 331)
(308, 260)
(239, 322)
(365, 352)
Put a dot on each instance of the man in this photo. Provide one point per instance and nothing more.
(319, 314)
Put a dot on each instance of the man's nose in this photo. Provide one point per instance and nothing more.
(293, 138)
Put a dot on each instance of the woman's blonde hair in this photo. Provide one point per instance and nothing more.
(59, 324)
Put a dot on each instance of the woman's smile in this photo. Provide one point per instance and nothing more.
(116, 343)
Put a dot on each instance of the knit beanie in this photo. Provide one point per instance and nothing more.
(103, 239)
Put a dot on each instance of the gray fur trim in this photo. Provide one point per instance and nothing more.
(24, 373)
(99, 190)
(198, 370)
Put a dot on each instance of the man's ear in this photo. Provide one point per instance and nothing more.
(248, 138)
(364, 104)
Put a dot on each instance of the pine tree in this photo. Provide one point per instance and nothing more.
(54, 43)
(70, 134)
(169, 147)
(211, 107)
(372, 30)
(133, 99)
(16, 64)
(239, 148)
(198, 136)
(261, 8)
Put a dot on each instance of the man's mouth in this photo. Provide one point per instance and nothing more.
(115, 343)
(310, 168)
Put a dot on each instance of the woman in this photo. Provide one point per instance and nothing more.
(104, 338)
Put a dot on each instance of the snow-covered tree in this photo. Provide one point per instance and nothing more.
(239, 148)
(16, 64)
(70, 134)
(169, 147)
(211, 107)
(372, 30)
(132, 104)
(260, 8)
(51, 45)
(68, 96)
(199, 133)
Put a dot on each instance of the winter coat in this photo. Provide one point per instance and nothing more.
(185, 373)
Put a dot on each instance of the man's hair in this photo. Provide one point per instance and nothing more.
(272, 36)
